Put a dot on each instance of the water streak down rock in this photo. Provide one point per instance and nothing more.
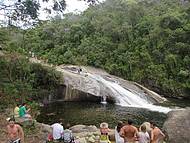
(92, 84)
(98, 83)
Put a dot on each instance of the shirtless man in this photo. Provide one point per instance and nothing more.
(156, 133)
(15, 133)
(129, 132)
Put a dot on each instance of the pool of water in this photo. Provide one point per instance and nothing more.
(90, 113)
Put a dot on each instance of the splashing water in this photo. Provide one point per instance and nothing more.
(127, 98)
(103, 100)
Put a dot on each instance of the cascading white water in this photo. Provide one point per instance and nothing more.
(126, 98)
(103, 100)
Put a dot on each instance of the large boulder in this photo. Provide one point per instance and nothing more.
(25, 122)
(83, 128)
(89, 133)
(93, 84)
(44, 129)
(177, 126)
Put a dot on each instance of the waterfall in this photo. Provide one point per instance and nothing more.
(127, 98)
(103, 100)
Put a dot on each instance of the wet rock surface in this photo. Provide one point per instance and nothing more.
(86, 83)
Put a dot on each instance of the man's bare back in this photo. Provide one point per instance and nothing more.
(129, 133)
(156, 135)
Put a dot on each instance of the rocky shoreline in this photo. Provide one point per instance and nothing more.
(176, 127)
(36, 132)
(81, 133)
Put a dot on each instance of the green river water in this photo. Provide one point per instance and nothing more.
(90, 113)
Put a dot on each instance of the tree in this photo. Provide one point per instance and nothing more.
(27, 11)
(144, 41)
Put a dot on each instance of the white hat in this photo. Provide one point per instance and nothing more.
(104, 125)
(8, 118)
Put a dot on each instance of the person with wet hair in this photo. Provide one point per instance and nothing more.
(15, 132)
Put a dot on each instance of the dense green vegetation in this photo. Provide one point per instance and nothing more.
(147, 41)
(22, 81)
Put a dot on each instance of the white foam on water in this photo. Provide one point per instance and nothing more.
(127, 98)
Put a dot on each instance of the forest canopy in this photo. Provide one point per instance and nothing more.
(146, 41)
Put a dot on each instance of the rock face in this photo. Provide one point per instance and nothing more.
(87, 83)
(177, 126)
(91, 84)
(81, 85)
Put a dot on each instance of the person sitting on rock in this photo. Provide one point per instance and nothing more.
(68, 135)
(104, 138)
(16, 111)
(57, 131)
(23, 112)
